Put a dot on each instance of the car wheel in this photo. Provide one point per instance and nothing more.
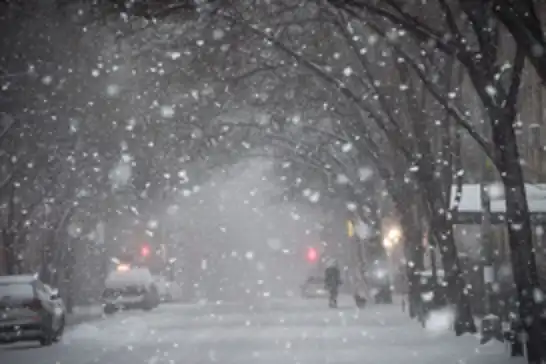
(46, 341)
(109, 309)
(47, 337)
(149, 302)
(147, 305)
(60, 332)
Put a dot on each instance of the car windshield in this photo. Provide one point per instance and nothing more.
(16, 291)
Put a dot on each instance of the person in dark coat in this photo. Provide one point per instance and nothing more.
(332, 281)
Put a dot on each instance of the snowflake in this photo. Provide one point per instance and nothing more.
(172, 209)
(342, 179)
(364, 174)
(112, 90)
(218, 34)
(167, 111)
(183, 175)
(314, 197)
(174, 55)
(538, 295)
(491, 90)
(47, 80)
(121, 174)
(495, 191)
(347, 147)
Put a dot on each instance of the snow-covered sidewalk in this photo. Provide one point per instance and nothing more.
(295, 331)
(291, 331)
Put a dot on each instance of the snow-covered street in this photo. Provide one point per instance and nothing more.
(278, 331)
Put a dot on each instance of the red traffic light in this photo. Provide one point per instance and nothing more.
(145, 250)
(312, 254)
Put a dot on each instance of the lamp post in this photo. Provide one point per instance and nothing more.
(390, 243)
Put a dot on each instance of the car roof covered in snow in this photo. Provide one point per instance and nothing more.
(134, 276)
(21, 279)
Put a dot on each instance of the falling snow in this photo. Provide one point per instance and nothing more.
(167, 111)
(347, 147)
(227, 141)
(113, 90)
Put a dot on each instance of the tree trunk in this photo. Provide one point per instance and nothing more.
(413, 252)
(69, 264)
(519, 236)
(10, 260)
(442, 230)
(8, 235)
(523, 21)
(464, 321)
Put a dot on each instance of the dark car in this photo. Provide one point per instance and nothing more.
(29, 310)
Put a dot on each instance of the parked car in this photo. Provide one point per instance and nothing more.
(169, 291)
(30, 310)
(130, 287)
(313, 287)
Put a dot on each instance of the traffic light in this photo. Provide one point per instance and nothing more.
(145, 250)
(312, 254)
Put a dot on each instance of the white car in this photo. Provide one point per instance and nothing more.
(169, 291)
(129, 287)
(30, 310)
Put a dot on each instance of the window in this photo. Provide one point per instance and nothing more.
(16, 291)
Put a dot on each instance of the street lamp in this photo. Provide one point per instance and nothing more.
(393, 238)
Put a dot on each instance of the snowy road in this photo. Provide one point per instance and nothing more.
(289, 331)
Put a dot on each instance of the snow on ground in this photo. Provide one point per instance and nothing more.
(83, 314)
(281, 331)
